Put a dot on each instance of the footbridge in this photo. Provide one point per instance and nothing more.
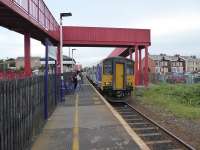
(27, 103)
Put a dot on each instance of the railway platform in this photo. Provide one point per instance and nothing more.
(84, 122)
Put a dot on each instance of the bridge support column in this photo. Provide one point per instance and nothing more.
(136, 65)
(140, 68)
(146, 76)
(27, 55)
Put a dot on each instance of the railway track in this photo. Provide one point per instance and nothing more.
(154, 135)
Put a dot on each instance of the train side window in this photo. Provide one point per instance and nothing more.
(129, 69)
(107, 68)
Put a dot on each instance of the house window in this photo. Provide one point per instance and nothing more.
(165, 70)
(157, 69)
(157, 63)
(177, 69)
(174, 69)
(178, 64)
(172, 63)
(181, 69)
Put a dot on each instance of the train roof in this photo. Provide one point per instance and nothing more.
(117, 57)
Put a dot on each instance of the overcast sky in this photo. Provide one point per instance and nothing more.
(174, 24)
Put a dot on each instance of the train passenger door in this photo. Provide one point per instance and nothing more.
(119, 76)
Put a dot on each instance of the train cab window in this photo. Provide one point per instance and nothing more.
(129, 69)
(107, 67)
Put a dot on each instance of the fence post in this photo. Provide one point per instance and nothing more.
(46, 82)
(55, 86)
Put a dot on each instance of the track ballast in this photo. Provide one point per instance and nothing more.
(154, 135)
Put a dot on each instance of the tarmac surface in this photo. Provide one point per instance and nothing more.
(83, 122)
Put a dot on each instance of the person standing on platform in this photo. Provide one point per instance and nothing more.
(81, 75)
(79, 80)
(75, 81)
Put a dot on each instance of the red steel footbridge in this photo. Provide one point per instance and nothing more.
(25, 104)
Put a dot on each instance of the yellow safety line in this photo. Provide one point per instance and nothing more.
(75, 145)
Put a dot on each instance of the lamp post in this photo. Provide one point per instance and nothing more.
(69, 52)
(73, 56)
(61, 53)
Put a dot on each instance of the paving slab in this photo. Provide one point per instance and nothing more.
(83, 122)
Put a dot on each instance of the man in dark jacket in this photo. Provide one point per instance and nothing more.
(74, 79)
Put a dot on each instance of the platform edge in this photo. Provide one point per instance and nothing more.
(128, 129)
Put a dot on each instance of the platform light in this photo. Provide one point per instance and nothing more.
(73, 55)
(73, 51)
(61, 52)
(65, 15)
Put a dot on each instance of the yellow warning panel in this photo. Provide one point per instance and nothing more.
(119, 82)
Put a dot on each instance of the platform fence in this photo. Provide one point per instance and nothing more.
(22, 109)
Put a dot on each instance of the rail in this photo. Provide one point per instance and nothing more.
(156, 136)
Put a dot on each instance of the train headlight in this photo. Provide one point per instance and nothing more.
(107, 83)
(130, 83)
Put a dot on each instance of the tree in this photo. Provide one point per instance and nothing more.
(21, 68)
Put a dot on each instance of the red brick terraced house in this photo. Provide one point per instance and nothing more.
(163, 64)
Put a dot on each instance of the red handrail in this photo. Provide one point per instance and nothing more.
(37, 10)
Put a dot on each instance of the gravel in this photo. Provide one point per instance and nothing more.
(187, 130)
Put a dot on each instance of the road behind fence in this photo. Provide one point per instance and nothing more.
(22, 109)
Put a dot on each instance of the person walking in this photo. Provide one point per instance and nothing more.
(74, 79)
(79, 81)
(81, 75)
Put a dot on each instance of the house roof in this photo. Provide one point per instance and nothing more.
(156, 57)
(172, 58)
(190, 58)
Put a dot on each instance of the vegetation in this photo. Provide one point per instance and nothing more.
(21, 68)
(181, 100)
(42, 68)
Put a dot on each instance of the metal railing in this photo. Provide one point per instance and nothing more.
(11, 75)
(37, 10)
(22, 110)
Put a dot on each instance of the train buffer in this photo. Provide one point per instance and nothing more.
(85, 122)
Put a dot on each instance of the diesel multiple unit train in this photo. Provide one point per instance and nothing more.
(114, 76)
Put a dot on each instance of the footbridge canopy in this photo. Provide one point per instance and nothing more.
(30, 16)
(105, 37)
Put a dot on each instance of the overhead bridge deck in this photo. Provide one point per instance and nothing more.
(85, 122)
